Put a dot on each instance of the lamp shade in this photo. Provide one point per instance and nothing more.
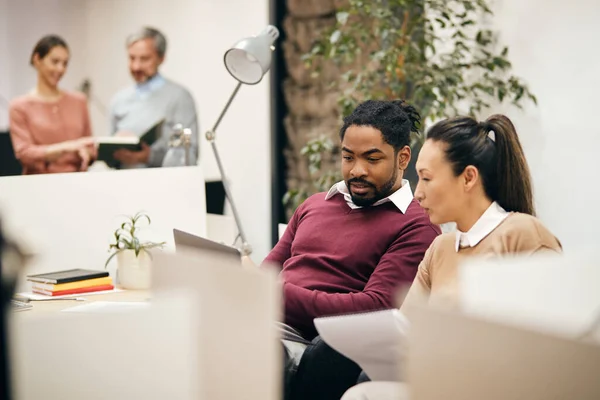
(250, 58)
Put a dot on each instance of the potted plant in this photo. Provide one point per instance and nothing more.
(133, 256)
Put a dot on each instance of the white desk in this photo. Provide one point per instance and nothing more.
(49, 307)
(141, 354)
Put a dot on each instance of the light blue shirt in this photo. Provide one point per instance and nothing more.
(137, 108)
(144, 89)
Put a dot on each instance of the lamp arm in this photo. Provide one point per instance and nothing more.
(210, 136)
(218, 122)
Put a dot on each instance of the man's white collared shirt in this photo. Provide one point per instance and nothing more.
(401, 197)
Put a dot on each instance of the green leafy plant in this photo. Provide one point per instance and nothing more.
(439, 60)
(125, 237)
(322, 179)
(432, 53)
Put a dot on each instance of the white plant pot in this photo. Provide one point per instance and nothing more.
(134, 272)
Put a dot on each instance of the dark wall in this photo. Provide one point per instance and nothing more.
(6, 291)
(8, 163)
(278, 112)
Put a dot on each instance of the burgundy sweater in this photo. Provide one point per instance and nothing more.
(337, 260)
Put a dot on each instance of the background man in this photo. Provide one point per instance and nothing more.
(134, 110)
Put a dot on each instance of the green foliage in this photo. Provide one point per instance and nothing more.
(125, 237)
(440, 61)
(322, 180)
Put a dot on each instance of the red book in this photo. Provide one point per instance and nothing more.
(75, 291)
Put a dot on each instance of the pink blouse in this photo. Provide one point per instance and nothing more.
(35, 124)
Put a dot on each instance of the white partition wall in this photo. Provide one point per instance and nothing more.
(145, 354)
(240, 353)
(69, 219)
(555, 294)
(471, 358)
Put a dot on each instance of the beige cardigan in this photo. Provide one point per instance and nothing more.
(436, 280)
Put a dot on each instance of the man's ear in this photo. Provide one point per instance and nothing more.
(404, 157)
(470, 177)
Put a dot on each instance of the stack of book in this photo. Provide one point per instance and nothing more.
(73, 281)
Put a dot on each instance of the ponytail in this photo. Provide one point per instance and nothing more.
(514, 189)
(492, 147)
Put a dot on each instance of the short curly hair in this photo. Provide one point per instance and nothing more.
(396, 119)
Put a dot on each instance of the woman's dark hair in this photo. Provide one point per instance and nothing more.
(395, 119)
(492, 147)
(45, 44)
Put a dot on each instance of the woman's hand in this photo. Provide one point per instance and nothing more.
(54, 151)
(87, 152)
(85, 157)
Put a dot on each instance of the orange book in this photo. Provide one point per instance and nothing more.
(75, 291)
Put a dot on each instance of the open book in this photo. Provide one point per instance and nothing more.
(376, 341)
(107, 145)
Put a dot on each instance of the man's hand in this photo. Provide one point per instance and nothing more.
(128, 157)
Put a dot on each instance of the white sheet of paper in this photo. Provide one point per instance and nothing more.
(108, 307)
(372, 340)
(35, 296)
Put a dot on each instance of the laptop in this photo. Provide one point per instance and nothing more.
(188, 240)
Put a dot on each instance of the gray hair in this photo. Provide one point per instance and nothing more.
(160, 42)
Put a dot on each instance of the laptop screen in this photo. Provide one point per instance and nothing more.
(185, 239)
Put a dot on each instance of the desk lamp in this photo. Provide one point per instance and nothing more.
(247, 61)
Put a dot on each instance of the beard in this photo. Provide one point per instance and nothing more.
(379, 193)
(142, 76)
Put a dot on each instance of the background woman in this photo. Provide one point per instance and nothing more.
(50, 128)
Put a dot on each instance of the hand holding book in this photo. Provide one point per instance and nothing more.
(136, 149)
(129, 157)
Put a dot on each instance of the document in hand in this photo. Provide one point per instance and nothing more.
(374, 340)
(109, 144)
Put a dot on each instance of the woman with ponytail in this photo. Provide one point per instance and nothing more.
(474, 174)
